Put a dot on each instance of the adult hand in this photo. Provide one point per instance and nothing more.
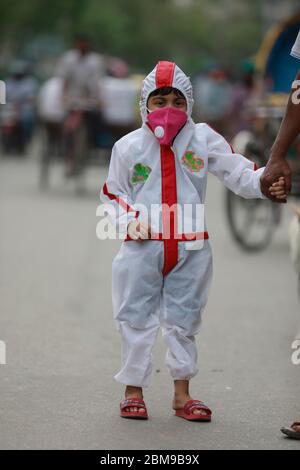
(276, 168)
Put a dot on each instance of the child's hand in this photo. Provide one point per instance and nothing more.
(277, 189)
(139, 230)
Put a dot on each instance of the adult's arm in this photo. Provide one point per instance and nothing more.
(289, 129)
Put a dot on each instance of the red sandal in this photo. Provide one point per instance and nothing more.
(187, 411)
(136, 403)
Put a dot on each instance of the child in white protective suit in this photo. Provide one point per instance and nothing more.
(154, 194)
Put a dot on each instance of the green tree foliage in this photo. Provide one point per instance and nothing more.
(142, 31)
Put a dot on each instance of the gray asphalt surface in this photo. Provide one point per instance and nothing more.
(57, 388)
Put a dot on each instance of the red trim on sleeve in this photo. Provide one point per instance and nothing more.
(164, 73)
(255, 166)
(120, 201)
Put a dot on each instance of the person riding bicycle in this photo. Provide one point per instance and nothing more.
(81, 70)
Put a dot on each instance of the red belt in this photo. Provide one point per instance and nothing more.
(183, 237)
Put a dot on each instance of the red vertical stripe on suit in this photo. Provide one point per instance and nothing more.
(164, 74)
(169, 198)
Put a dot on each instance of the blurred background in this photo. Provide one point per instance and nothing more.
(72, 71)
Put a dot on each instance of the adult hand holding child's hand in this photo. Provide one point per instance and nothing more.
(275, 169)
(278, 190)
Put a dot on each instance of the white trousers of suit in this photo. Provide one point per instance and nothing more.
(144, 300)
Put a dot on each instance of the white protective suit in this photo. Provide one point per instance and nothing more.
(165, 280)
(296, 48)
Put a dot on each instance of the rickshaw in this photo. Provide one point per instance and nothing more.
(252, 222)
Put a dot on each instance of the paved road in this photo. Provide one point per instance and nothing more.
(57, 389)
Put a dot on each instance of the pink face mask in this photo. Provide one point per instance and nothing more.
(166, 122)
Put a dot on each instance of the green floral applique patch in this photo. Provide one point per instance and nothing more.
(140, 173)
(192, 162)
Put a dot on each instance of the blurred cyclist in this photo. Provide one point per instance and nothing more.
(81, 69)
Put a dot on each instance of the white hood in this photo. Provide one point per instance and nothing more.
(166, 74)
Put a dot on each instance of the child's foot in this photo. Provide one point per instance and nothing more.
(180, 401)
(134, 392)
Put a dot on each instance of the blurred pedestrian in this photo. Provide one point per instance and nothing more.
(51, 114)
(213, 98)
(119, 95)
(21, 93)
(242, 100)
